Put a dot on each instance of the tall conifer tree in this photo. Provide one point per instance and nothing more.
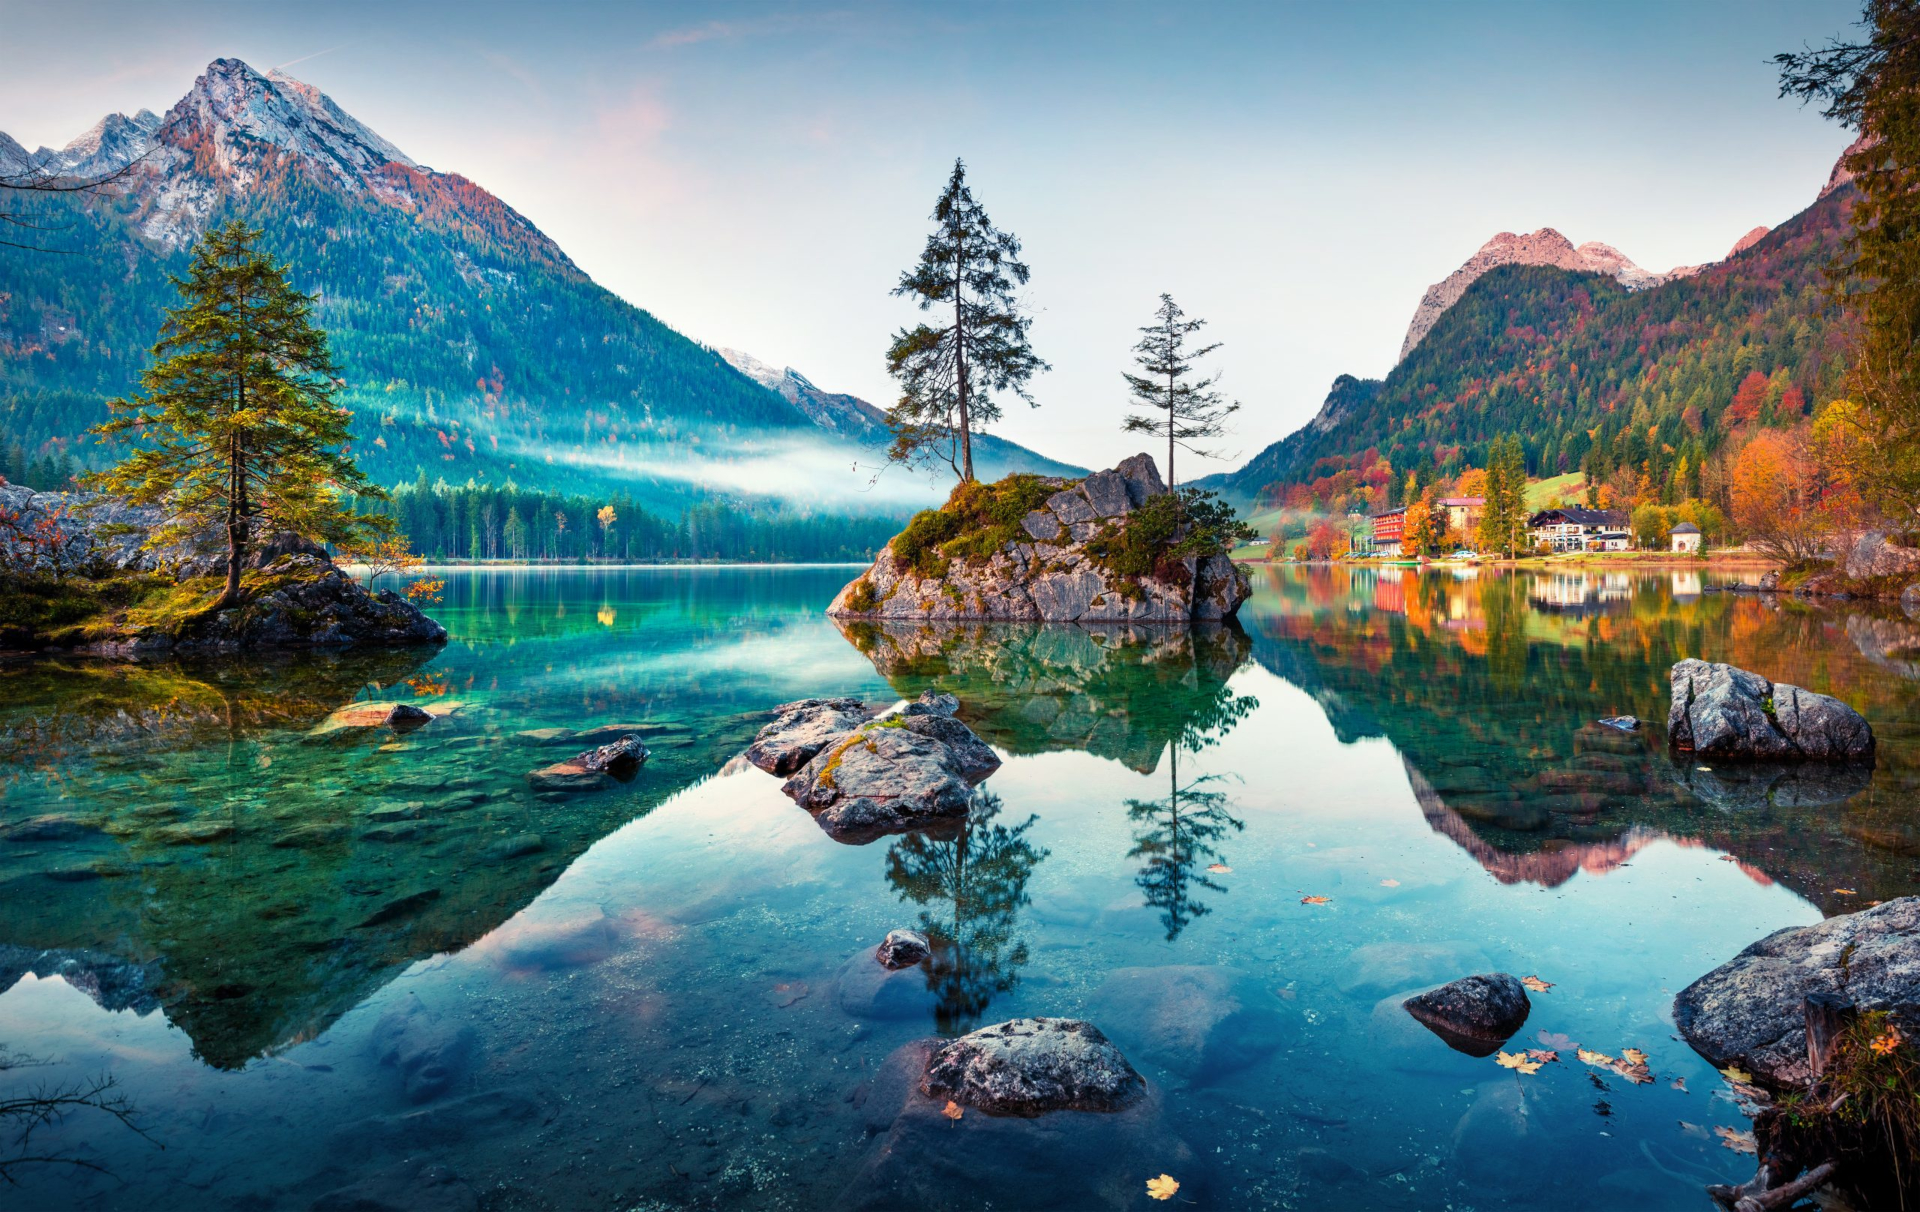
(948, 373)
(1189, 409)
(238, 426)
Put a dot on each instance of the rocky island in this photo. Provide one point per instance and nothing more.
(1116, 546)
(79, 578)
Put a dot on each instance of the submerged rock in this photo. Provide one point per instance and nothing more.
(409, 1186)
(799, 731)
(1747, 1012)
(593, 770)
(1475, 1014)
(1625, 723)
(1723, 711)
(405, 717)
(1193, 1020)
(902, 948)
(891, 775)
(1046, 570)
(922, 1157)
(1030, 1066)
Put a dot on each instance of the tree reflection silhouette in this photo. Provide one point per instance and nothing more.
(1179, 835)
(971, 887)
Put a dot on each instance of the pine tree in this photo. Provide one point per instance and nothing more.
(237, 425)
(948, 374)
(1193, 411)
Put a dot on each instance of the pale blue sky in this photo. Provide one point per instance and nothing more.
(758, 175)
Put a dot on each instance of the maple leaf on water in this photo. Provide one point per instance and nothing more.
(1554, 1039)
(1738, 1141)
(1737, 1075)
(1633, 1056)
(1588, 1056)
(952, 1110)
(1536, 984)
(1517, 1060)
(1162, 1187)
(1219, 869)
(1313, 900)
(1545, 1056)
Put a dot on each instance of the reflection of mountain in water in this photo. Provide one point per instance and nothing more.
(178, 837)
(1491, 690)
(1118, 692)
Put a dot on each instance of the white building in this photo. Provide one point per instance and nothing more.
(1685, 537)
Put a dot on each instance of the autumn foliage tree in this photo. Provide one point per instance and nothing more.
(1418, 531)
(1748, 399)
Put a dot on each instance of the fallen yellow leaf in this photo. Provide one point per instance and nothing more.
(1845, 892)
(1517, 1060)
(1739, 1142)
(1219, 869)
(952, 1110)
(1313, 900)
(1633, 1056)
(1735, 1073)
(1591, 1057)
(1536, 984)
(1162, 1187)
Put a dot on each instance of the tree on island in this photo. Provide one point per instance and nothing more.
(948, 374)
(238, 425)
(1191, 411)
(1872, 87)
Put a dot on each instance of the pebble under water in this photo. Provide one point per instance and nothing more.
(343, 967)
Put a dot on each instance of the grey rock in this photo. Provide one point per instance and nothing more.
(799, 729)
(1748, 1011)
(892, 775)
(1720, 711)
(868, 990)
(933, 702)
(1142, 477)
(429, 1053)
(615, 756)
(1071, 506)
(1624, 723)
(1107, 492)
(1474, 1014)
(1874, 555)
(405, 717)
(1042, 525)
(1030, 1066)
(902, 948)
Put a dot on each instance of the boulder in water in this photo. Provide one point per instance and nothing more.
(1475, 1014)
(1722, 711)
(903, 772)
(1030, 1066)
(800, 729)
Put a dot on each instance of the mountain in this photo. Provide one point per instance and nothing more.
(471, 346)
(1557, 344)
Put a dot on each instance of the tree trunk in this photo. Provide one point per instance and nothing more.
(1827, 1017)
(236, 523)
(960, 359)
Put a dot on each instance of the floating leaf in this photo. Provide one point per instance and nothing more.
(1545, 1056)
(1313, 900)
(1553, 1039)
(1633, 1056)
(1736, 1074)
(1389, 883)
(1517, 1060)
(952, 1110)
(1680, 1084)
(1845, 892)
(1595, 1058)
(1162, 1187)
(1738, 1141)
(1536, 984)
(1219, 869)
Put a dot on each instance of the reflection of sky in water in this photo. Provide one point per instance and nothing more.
(676, 1001)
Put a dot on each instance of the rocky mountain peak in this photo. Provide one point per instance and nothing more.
(1841, 174)
(1749, 240)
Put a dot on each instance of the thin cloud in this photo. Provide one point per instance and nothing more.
(717, 31)
(316, 54)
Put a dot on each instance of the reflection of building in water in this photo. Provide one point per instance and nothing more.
(1572, 591)
(1686, 584)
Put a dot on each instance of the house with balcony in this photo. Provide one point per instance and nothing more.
(1575, 528)
(1388, 527)
(1461, 514)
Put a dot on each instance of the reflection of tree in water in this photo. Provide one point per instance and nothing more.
(971, 886)
(1179, 830)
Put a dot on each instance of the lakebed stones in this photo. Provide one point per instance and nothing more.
(1195, 1021)
(1046, 573)
(1748, 1012)
(799, 731)
(1622, 723)
(1475, 1014)
(1721, 711)
(593, 770)
(904, 772)
(1030, 1066)
(401, 717)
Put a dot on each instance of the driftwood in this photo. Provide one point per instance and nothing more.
(1827, 1018)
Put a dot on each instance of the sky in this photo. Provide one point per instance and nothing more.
(759, 175)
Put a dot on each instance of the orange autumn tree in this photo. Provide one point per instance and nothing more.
(1791, 494)
(1418, 532)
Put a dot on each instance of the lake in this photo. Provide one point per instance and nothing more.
(339, 964)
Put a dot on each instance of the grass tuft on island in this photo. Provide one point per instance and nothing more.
(977, 521)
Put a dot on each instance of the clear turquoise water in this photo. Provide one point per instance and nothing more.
(313, 961)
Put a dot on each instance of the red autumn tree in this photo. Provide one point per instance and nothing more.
(1747, 400)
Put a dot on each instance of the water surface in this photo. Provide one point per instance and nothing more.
(320, 959)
